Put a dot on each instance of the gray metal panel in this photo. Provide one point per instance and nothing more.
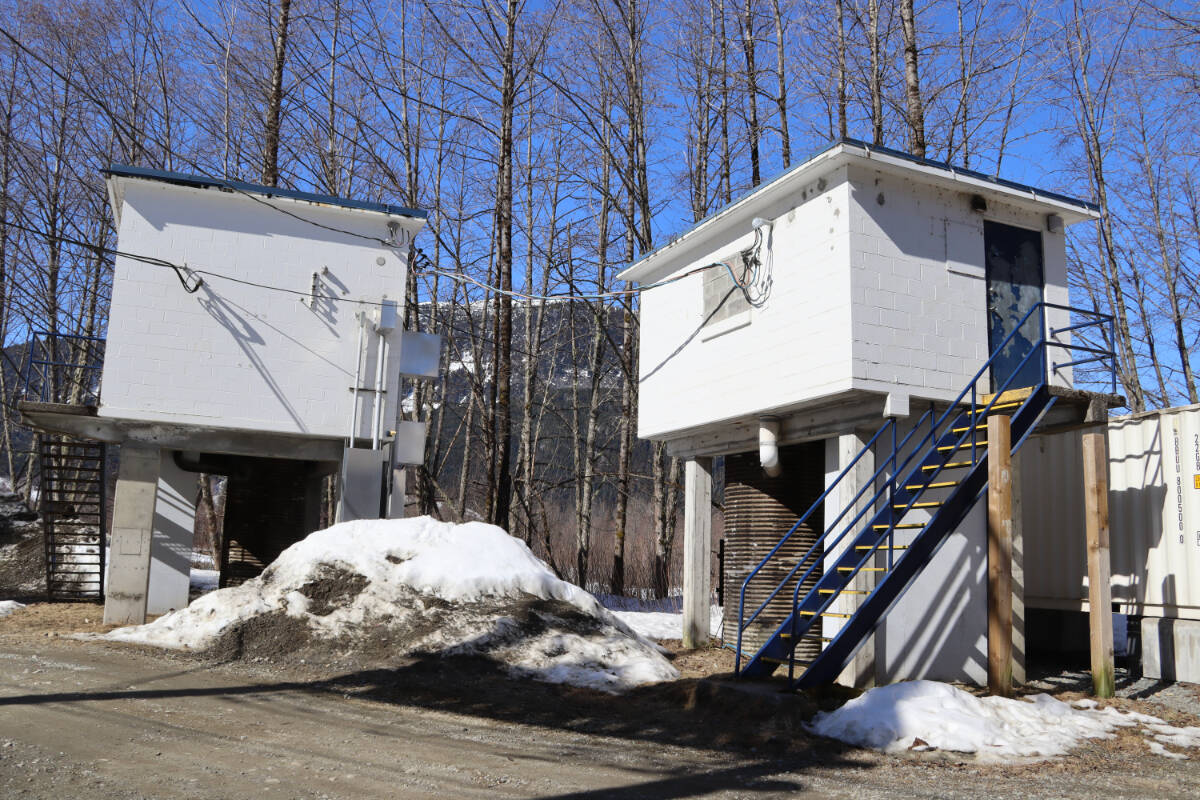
(408, 448)
(362, 484)
(420, 354)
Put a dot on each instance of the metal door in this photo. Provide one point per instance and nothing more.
(1015, 281)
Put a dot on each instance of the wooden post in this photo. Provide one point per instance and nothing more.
(999, 550)
(1095, 492)
(697, 550)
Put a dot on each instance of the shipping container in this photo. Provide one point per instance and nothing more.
(1154, 516)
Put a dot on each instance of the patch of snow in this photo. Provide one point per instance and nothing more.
(204, 580)
(892, 718)
(1159, 750)
(6, 486)
(480, 572)
(9, 606)
(665, 624)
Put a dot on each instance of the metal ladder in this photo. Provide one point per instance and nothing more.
(73, 507)
(947, 458)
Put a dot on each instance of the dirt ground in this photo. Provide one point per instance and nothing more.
(91, 719)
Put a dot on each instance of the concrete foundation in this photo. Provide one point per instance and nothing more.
(132, 532)
(1171, 649)
(174, 529)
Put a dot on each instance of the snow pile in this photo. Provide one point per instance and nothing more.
(9, 606)
(422, 586)
(893, 718)
(665, 624)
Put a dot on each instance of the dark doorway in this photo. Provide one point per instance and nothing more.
(1015, 282)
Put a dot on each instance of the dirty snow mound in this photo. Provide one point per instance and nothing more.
(892, 719)
(9, 606)
(386, 588)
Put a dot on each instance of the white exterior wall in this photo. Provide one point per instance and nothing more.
(238, 356)
(795, 348)
(880, 297)
(919, 285)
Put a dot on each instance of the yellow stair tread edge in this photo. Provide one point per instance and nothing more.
(938, 485)
(843, 591)
(1007, 396)
(807, 636)
(825, 614)
(926, 504)
(900, 526)
(963, 446)
(948, 465)
(881, 547)
(862, 569)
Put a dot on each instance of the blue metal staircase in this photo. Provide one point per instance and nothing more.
(922, 497)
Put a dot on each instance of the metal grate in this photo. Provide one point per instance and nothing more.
(73, 506)
(759, 510)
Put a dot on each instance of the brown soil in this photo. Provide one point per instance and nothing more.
(23, 566)
(44, 620)
(331, 589)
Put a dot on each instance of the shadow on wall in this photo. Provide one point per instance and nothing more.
(938, 629)
(249, 340)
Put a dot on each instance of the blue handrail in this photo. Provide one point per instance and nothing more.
(1040, 347)
(62, 367)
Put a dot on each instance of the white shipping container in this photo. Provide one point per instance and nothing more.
(1154, 516)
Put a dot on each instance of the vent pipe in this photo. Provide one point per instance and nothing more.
(768, 446)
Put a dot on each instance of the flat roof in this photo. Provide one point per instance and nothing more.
(209, 182)
(670, 255)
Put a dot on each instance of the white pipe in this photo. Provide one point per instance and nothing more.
(380, 377)
(768, 446)
(357, 382)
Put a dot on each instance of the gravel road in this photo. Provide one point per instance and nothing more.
(81, 719)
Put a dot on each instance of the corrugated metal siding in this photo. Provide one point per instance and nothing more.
(1154, 516)
(759, 510)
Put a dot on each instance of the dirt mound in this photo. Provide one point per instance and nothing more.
(381, 593)
(22, 551)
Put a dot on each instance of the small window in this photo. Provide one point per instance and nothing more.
(723, 299)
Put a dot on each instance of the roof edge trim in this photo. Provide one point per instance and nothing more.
(208, 182)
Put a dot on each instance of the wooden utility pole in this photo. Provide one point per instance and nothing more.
(1095, 493)
(999, 551)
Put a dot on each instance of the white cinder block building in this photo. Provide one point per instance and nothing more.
(253, 333)
(859, 286)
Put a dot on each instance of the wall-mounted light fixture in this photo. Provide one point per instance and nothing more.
(978, 203)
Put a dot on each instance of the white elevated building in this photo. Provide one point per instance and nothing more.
(781, 333)
(253, 333)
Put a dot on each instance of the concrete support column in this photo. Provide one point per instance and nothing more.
(840, 451)
(697, 550)
(174, 530)
(132, 532)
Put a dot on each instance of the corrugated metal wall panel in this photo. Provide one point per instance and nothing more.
(1154, 516)
(759, 510)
